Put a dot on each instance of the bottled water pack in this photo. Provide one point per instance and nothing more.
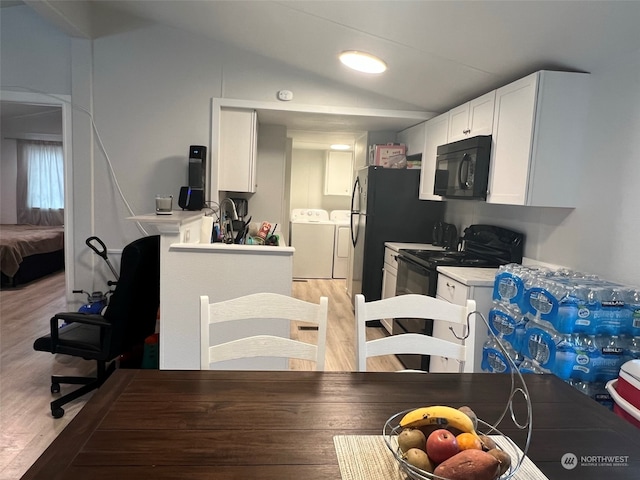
(572, 302)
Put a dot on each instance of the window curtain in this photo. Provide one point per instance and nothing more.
(40, 189)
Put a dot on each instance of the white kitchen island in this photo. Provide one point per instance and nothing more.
(189, 269)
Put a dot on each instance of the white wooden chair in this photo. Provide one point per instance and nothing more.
(262, 306)
(411, 306)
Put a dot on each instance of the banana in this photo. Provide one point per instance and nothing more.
(438, 415)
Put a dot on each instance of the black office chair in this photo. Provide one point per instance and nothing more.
(129, 318)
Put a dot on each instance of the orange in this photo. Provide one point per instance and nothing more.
(468, 441)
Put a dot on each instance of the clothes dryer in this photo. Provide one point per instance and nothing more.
(312, 235)
(341, 242)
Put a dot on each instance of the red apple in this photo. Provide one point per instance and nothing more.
(441, 445)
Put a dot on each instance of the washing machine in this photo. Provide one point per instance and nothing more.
(341, 218)
(312, 235)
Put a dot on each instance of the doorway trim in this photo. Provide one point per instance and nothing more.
(218, 103)
(63, 101)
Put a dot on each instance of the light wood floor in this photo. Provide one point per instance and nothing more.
(26, 425)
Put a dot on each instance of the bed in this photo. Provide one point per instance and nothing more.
(28, 252)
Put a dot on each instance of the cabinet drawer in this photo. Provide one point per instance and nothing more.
(391, 257)
(452, 290)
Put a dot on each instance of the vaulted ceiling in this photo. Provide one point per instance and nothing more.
(439, 53)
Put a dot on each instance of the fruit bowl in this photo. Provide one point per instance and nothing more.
(392, 429)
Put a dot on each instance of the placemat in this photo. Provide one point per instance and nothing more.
(366, 457)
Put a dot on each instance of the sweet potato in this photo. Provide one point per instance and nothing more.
(469, 465)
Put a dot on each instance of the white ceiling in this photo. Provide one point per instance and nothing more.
(440, 53)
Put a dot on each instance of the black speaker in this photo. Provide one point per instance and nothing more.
(191, 198)
(197, 166)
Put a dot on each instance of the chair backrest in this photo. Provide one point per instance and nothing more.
(410, 306)
(133, 307)
(262, 306)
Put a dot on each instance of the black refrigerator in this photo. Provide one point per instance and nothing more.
(385, 208)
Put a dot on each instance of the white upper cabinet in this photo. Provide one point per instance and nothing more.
(413, 138)
(537, 137)
(338, 173)
(237, 150)
(472, 118)
(435, 135)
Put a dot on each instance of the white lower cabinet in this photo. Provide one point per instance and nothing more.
(458, 293)
(389, 278)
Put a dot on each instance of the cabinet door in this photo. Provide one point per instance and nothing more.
(443, 364)
(512, 139)
(413, 138)
(389, 280)
(472, 118)
(458, 123)
(458, 293)
(237, 153)
(338, 173)
(481, 114)
(435, 135)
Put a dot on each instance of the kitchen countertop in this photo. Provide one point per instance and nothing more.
(233, 248)
(471, 276)
(414, 246)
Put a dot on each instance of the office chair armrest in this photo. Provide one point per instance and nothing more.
(76, 317)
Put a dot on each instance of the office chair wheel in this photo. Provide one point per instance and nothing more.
(57, 412)
(55, 388)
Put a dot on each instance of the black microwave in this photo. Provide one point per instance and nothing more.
(462, 168)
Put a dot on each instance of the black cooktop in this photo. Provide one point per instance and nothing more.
(432, 259)
(482, 246)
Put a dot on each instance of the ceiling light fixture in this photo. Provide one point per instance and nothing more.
(339, 146)
(362, 62)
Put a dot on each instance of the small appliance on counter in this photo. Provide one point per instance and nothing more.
(445, 235)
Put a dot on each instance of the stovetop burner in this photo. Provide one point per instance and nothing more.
(432, 259)
(483, 246)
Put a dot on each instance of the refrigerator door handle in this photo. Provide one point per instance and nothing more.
(352, 224)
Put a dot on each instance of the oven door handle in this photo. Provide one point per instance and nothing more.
(411, 263)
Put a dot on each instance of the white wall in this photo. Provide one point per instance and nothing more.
(601, 235)
(307, 182)
(33, 53)
(268, 203)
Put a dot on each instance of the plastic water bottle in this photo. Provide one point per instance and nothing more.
(530, 366)
(508, 286)
(633, 319)
(494, 359)
(574, 315)
(507, 323)
(632, 348)
(609, 358)
(586, 351)
(550, 349)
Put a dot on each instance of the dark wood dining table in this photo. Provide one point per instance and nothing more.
(155, 424)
